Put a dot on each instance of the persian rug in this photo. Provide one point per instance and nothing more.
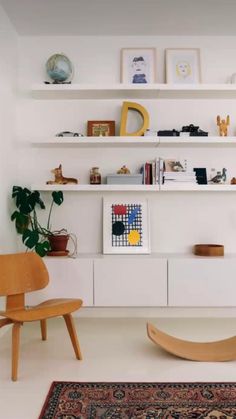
(69, 400)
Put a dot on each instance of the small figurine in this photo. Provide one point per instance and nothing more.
(223, 125)
(123, 171)
(220, 177)
(59, 178)
(233, 181)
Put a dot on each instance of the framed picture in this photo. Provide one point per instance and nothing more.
(138, 65)
(183, 66)
(101, 128)
(125, 226)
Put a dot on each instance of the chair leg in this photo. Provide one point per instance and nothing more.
(43, 324)
(15, 349)
(73, 336)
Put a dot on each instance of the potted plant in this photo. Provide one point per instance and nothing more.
(40, 239)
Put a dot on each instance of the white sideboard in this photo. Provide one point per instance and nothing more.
(142, 280)
(132, 282)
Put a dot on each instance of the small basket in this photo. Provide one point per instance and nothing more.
(208, 250)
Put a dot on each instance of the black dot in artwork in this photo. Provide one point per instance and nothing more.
(118, 228)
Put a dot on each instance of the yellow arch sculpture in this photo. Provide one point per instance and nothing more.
(221, 350)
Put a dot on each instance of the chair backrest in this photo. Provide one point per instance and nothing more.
(21, 273)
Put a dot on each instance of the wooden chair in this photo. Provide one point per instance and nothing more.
(25, 272)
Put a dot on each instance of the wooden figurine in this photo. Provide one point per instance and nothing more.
(223, 125)
(233, 181)
(123, 171)
(59, 178)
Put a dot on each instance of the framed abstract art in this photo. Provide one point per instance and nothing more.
(125, 226)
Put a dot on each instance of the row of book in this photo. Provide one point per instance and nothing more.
(167, 171)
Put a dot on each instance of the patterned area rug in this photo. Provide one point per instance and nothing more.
(68, 400)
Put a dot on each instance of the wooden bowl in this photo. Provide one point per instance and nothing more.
(209, 250)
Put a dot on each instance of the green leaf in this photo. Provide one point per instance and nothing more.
(57, 197)
(42, 248)
(21, 221)
(30, 238)
(35, 198)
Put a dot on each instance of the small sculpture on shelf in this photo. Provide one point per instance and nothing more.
(59, 178)
(233, 181)
(123, 171)
(223, 125)
(220, 177)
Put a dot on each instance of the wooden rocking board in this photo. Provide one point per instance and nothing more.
(222, 350)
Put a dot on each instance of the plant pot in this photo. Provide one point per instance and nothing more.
(58, 242)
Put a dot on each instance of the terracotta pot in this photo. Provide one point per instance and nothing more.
(58, 243)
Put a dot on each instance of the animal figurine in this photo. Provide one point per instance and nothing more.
(59, 178)
(123, 171)
(220, 177)
(223, 125)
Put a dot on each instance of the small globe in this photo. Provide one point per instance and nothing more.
(59, 68)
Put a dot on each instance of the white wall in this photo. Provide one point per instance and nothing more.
(178, 220)
(8, 166)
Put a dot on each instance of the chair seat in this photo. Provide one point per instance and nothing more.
(45, 310)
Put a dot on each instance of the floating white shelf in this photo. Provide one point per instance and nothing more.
(131, 141)
(185, 187)
(188, 141)
(145, 91)
(96, 188)
(197, 188)
(85, 141)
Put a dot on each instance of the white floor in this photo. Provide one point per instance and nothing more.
(113, 350)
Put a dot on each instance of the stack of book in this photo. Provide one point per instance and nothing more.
(176, 172)
(151, 172)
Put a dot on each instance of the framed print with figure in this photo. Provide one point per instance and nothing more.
(125, 226)
(183, 66)
(138, 65)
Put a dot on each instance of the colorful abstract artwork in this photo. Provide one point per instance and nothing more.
(125, 226)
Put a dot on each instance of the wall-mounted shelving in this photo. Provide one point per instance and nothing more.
(124, 91)
(131, 141)
(96, 188)
(185, 187)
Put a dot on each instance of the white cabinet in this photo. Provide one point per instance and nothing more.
(69, 278)
(202, 282)
(130, 281)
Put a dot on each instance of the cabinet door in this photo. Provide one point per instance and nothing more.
(131, 281)
(202, 282)
(68, 278)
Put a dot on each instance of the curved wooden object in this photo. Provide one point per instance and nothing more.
(221, 350)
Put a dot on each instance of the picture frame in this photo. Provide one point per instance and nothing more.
(183, 65)
(125, 226)
(100, 128)
(138, 65)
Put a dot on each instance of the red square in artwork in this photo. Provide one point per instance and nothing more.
(119, 209)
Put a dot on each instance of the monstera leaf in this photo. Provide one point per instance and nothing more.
(42, 248)
(21, 221)
(57, 197)
(26, 200)
(30, 238)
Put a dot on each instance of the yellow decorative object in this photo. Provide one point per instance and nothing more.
(124, 115)
(133, 237)
(223, 125)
